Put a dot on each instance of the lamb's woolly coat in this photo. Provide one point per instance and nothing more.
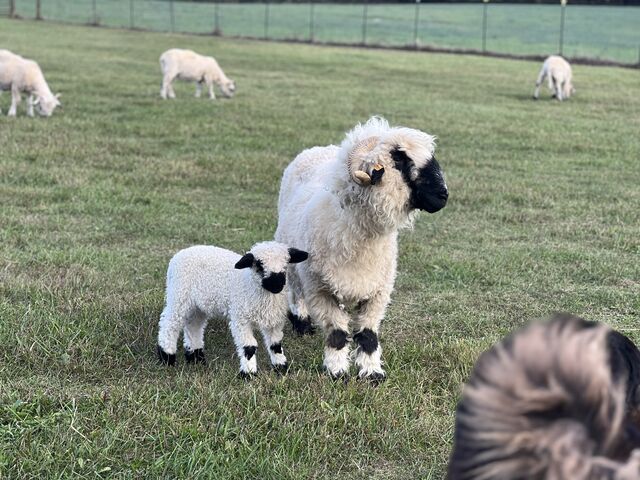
(560, 77)
(350, 231)
(21, 75)
(205, 282)
(555, 401)
(190, 66)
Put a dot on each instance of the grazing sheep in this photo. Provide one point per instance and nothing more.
(206, 281)
(190, 66)
(344, 205)
(555, 401)
(558, 72)
(22, 75)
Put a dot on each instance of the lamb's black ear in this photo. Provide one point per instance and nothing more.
(297, 256)
(246, 261)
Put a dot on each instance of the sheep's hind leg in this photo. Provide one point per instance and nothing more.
(194, 338)
(246, 346)
(172, 320)
(273, 341)
(15, 101)
(167, 87)
(298, 313)
(369, 352)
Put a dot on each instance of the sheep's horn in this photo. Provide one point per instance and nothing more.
(362, 147)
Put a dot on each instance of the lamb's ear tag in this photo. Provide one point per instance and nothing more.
(376, 173)
(245, 262)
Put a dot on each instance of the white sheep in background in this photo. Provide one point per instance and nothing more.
(207, 281)
(22, 75)
(559, 75)
(344, 205)
(190, 66)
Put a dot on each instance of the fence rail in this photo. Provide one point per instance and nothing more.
(600, 33)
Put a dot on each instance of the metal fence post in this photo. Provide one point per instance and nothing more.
(365, 12)
(132, 15)
(172, 16)
(38, 10)
(216, 19)
(563, 5)
(485, 6)
(311, 21)
(12, 8)
(416, 25)
(95, 12)
(266, 19)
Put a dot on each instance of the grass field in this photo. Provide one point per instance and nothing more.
(591, 31)
(543, 215)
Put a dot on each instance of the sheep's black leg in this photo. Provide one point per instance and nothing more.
(302, 326)
(166, 358)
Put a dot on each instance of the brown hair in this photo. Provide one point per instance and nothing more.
(556, 400)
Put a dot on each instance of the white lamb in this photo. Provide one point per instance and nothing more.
(206, 281)
(22, 75)
(559, 75)
(190, 66)
(344, 205)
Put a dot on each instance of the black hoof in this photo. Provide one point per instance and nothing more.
(246, 375)
(375, 378)
(195, 356)
(281, 369)
(302, 326)
(166, 358)
(340, 377)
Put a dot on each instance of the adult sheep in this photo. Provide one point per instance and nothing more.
(21, 75)
(191, 66)
(559, 75)
(344, 205)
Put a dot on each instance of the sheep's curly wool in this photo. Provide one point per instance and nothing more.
(190, 66)
(206, 281)
(350, 227)
(20, 75)
(559, 76)
(555, 401)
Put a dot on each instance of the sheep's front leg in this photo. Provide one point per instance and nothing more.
(246, 346)
(30, 105)
(15, 101)
(194, 338)
(369, 352)
(198, 89)
(335, 323)
(273, 341)
(212, 95)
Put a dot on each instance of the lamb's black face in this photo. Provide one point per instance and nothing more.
(428, 189)
(272, 282)
(275, 282)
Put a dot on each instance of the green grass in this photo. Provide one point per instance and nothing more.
(591, 31)
(543, 215)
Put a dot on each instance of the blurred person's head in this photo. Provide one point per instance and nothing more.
(555, 400)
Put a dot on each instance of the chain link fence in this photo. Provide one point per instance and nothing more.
(591, 33)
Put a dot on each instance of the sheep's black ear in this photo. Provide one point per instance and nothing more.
(245, 262)
(297, 256)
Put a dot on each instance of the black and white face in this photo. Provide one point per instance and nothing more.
(425, 180)
(270, 265)
(401, 171)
